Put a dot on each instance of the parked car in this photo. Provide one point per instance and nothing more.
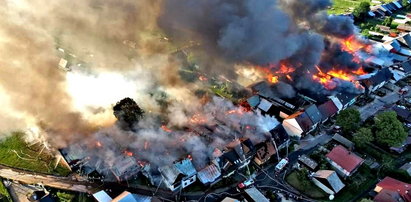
(246, 183)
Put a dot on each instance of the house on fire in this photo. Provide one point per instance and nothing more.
(179, 175)
(237, 155)
(327, 110)
(302, 122)
(265, 150)
(345, 162)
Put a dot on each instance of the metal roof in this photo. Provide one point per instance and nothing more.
(209, 174)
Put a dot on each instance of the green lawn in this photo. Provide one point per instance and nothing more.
(346, 6)
(4, 193)
(312, 190)
(16, 153)
(357, 184)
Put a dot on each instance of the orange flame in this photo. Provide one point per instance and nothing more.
(98, 144)
(359, 71)
(166, 129)
(128, 153)
(198, 119)
(352, 45)
(272, 78)
(202, 78)
(190, 157)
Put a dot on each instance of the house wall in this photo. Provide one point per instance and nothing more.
(322, 186)
(339, 169)
(292, 128)
(190, 180)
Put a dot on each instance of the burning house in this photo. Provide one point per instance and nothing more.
(237, 155)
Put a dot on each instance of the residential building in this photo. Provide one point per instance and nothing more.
(327, 110)
(229, 199)
(346, 99)
(209, 175)
(237, 155)
(298, 124)
(402, 113)
(345, 162)
(344, 141)
(264, 152)
(254, 195)
(328, 181)
(390, 189)
(377, 81)
(178, 175)
(280, 137)
(102, 196)
(308, 162)
(407, 168)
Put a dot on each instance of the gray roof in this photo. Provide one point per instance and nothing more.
(314, 114)
(254, 101)
(406, 167)
(209, 174)
(186, 167)
(308, 161)
(331, 178)
(256, 195)
(344, 141)
(170, 173)
(265, 105)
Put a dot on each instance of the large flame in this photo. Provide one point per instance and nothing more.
(352, 45)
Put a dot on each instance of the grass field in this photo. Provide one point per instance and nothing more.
(4, 193)
(312, 191)
(16, 153)
(346, 6)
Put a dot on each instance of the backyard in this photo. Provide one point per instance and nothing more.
(15, 152)
(307, 187)
(346, 6)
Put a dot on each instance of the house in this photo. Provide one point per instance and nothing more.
(344, 141)
(264, 152)
(383, 28)
(336, 102)
(229, 199)
(327, 110)
(298, 124)
(407, 168)
(404, 28)
(400, 149)
(377, 81)
(406, 68)
(402, 113)
(102, 196)
(280, 137)
(346, 99)
(310, 163)
(178, 175)
(345, 162)
(389, 189)
(237, 155)
(254, 195)
(328, 181)
(209, 175)
(314, 114)
(125, 167)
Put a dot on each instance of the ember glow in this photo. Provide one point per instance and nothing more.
(166, 129)
(352, 45)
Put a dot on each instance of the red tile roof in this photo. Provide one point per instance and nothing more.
(392, 184)
(344, 158)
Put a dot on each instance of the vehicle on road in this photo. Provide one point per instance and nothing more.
(281, 165)
(403, 90)
(246, 183)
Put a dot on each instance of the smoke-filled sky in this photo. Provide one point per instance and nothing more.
(127, 50)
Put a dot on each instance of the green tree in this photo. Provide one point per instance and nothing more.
(363, 137)
(387, 21)
(405, 3)
(361, 10)
(389, 130)
(128, 112)
(303, 177)
(349, 120)
(65, 197)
